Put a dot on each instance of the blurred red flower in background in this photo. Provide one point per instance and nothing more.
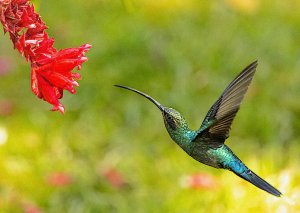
(59, 179)
(50, 68)
(199, 181)
(114, 177)
(6, 107)
(30, 208)
(5, 66)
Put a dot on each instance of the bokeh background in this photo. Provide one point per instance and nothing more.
(110, 151)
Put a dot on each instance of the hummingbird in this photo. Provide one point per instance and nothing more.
(206, 145)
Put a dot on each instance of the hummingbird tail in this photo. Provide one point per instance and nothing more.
(234, 164)
(259, 182)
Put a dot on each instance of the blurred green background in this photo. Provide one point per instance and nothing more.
(110, 151)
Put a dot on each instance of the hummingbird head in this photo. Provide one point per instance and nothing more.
(173, 120)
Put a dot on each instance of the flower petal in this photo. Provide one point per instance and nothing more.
(51, 70)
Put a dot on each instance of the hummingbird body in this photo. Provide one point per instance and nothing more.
(207, 152)
(206, 144)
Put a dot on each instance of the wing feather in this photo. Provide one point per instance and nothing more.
(220, 116)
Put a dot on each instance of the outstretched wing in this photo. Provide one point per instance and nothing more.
(217, 123)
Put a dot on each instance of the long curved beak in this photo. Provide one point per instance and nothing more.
(160, 107)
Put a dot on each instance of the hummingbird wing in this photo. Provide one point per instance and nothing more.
(217, 123)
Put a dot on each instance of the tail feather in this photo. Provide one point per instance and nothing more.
(259, 182)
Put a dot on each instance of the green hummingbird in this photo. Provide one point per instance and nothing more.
(206, 144)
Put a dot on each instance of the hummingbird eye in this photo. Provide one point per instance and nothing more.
(171, 122)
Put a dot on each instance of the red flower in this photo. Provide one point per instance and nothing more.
(59, 179)
(114, 177)
(5, 66)
(6, 107)
(199, 181)
(30, 208)
(50, 69)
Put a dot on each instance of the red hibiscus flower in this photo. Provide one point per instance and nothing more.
(51, 70)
